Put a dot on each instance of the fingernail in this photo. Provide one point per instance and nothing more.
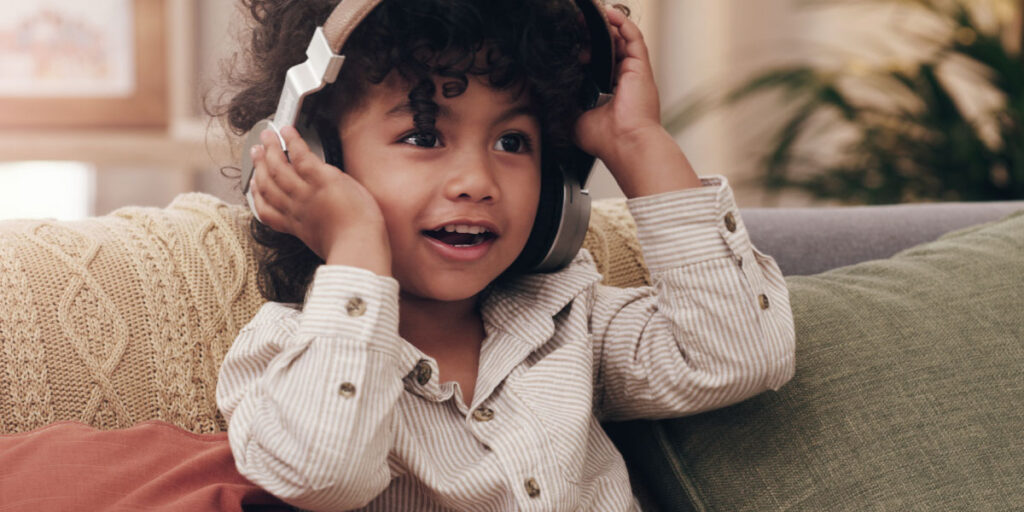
(254, 151)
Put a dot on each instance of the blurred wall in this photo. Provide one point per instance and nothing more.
(705, 45)
(696, 45)
(713, 45)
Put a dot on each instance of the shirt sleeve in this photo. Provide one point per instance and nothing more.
(308, 396)
(714, 328)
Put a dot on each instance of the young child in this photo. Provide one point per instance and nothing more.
(401, 364)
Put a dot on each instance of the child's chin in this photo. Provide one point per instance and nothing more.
(449, 292)
(452, 295)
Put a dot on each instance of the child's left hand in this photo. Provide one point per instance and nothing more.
(626, 133)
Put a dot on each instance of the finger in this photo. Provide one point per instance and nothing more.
(266, 187)
(279, 168)
(273, 153)
(298, 150)
(615, 16)
(617, 50)
(620, 49)
(295, 142)
(581, 131)
(305, 162)
(283, 176)
(267, 213)
(620, 44)
(634, 45)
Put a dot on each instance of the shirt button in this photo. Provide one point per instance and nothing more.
(422, 373)
(355, 307)
(483, 414)
(739, 261)
(347, 389)
(763, 300)
(532, 489)
(730, 222)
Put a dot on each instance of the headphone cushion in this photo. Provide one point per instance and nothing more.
(546, 224)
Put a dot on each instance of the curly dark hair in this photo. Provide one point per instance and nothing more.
(535, 45)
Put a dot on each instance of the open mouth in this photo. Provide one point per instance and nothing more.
(459, 239)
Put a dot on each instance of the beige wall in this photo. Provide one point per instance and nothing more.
(708, 45)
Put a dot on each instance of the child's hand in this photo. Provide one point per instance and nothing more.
(626, 133)
(332, 213)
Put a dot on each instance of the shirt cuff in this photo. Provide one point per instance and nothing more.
(349, 302)
(689, 226)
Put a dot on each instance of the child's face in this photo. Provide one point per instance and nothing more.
(481, 168)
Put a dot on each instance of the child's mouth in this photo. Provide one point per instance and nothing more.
(460, 239)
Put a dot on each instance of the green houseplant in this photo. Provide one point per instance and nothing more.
(907, 137)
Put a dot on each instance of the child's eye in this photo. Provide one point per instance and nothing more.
(422, 139)
(513, 143)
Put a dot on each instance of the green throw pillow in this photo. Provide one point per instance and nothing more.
(908, 394)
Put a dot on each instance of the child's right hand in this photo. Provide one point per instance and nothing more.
(332, 213)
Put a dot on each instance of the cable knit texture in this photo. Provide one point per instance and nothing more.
(124, 318)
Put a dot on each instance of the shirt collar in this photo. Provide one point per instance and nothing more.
(525, 306)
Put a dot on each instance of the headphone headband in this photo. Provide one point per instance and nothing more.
(344, 19)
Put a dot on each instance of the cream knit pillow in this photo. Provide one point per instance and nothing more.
(125, 318)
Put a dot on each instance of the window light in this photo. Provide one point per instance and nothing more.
(37, 189)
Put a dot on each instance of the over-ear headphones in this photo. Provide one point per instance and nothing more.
(563, 213)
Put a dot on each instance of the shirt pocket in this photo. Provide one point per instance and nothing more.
(555, 414)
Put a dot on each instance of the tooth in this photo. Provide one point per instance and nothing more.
(464, 228)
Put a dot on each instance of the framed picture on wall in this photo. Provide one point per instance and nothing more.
(75, 64)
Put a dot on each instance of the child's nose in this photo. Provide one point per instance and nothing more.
(473, 178)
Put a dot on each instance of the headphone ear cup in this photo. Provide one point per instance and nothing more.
(563, 215)
(571, 223)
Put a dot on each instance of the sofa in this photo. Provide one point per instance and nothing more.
(908, 394)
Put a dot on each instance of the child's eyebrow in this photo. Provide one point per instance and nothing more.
(516, 111)
(405, 109)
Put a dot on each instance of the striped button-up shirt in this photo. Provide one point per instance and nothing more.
(330, 409)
